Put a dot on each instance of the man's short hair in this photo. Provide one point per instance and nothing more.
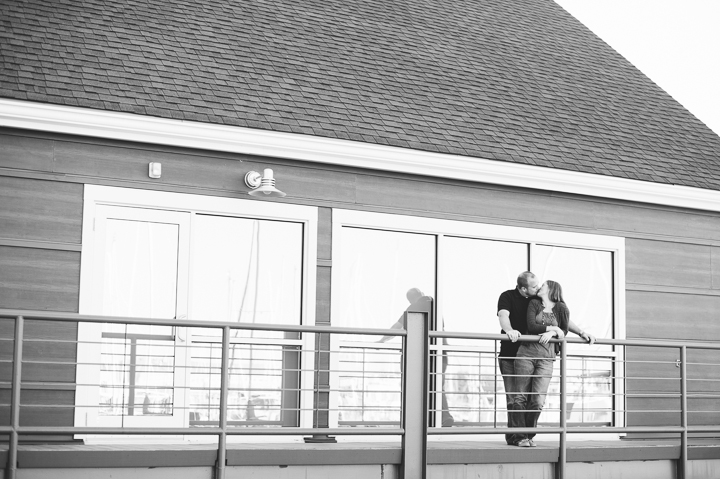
(523, 280)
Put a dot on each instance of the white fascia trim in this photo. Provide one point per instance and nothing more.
(147, 129)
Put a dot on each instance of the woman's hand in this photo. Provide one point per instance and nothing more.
(560, 332)
(546, 336)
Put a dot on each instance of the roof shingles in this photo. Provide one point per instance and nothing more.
(517, 81)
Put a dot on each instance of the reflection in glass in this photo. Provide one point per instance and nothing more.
(471, 387)
(246, 270)
(136, 377)
(589, 392)
(476, 393)
(263, 384)
(376, 270)
(474, 274)
(370, 387)
(586, 279)
(140, 279)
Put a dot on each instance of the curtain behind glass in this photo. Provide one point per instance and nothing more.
(587, 283)
(246, 270)
(474, 274)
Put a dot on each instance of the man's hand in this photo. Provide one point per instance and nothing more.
(587, 337)
(513, 335)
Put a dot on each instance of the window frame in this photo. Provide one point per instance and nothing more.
(95, 195)
(532, 236)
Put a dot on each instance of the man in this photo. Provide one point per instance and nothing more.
(512, 315)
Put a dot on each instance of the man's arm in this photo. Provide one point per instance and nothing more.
(398, 325)
(504, 318)
(573, 328)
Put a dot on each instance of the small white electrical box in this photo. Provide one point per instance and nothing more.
(155, 170)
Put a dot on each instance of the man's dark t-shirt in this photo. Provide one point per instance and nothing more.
(514, 302)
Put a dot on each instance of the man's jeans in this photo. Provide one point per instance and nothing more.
(507, 369)
(533, 376)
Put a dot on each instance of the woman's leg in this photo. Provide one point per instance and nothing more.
(540, 385)
(524, 370)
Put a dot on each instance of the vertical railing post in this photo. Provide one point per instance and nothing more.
(415, 397)
(562, 457)
(682, 461)
(224, 379)
(495, 385)
(15, 401)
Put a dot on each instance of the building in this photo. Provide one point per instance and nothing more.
(443, 146)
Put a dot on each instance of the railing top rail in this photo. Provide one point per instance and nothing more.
(611, 342)
(74, 317)
(87, 318)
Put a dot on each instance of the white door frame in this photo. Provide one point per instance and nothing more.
(95, 196)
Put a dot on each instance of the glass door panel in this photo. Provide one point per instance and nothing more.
(587, 284)
(473, 274)
(586, 277)
(246, 270)
(381, 275)
(139, 274)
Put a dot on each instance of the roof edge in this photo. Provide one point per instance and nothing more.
(146, 129)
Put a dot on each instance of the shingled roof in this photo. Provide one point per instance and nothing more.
(519, 81)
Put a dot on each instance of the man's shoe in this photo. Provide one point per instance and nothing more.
(523, 443)
(532, 443)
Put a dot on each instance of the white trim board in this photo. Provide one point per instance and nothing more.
(147, 129)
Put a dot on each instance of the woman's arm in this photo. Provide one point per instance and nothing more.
(574, 328)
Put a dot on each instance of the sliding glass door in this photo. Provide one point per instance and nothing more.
(183, 257)
(381, 262)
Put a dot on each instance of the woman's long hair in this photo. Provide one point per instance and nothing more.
(555, 292)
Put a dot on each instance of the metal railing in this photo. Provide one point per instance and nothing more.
(416, 387)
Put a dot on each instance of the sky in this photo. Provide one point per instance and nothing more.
(676, 43)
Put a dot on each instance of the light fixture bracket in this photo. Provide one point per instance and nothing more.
(253, 179)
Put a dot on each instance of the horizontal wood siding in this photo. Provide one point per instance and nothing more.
(653, 378)
(657, 315)
(661, 263)
(48, 374)
(672, 260)
(38, 210)
(39, 279)
(40, 407)
(28, 153)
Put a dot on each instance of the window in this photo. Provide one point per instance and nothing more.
(462, 268)
(175, 256)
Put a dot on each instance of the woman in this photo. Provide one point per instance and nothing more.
(547, 316)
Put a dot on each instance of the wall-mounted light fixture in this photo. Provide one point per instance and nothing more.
(262, 186)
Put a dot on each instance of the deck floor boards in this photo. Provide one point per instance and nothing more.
(346, 452)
